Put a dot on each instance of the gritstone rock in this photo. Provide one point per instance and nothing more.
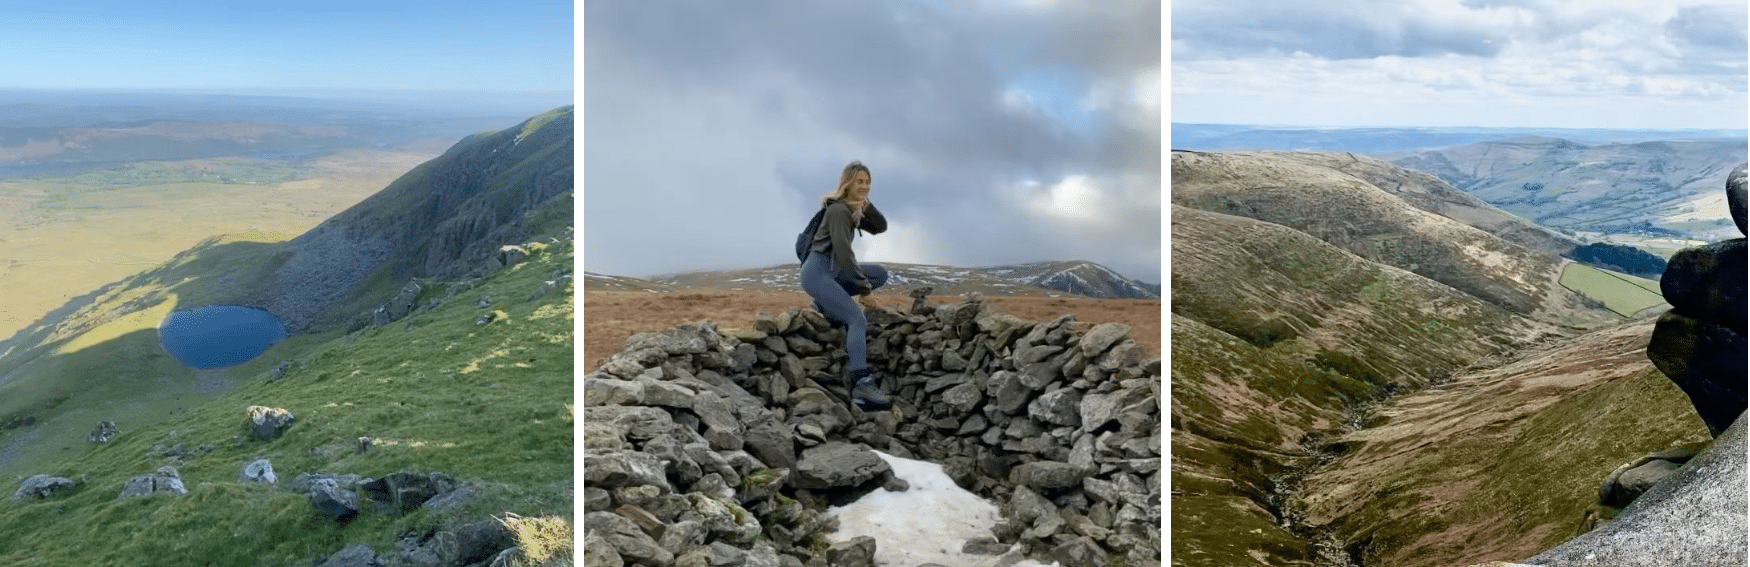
(1695, 517)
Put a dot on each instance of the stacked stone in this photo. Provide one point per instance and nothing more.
(1699, 343)
(704, 447)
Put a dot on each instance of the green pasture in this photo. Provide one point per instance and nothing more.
(1623, 294)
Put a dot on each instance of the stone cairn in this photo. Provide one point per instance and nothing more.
(1699, 343)
(711, 447)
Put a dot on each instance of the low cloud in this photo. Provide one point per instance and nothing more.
(712, 129)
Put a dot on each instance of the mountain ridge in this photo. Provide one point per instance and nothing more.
(1074, 277)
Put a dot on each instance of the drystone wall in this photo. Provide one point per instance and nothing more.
(705, 446)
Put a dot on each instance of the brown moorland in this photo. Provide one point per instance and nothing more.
(610, 317)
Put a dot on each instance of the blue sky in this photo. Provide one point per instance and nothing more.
(997, 131)
(383, 45)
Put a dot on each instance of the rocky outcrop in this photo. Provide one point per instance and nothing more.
(1695, 517)
(1699, 343)
(695, 436)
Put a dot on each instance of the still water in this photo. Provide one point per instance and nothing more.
(219, 336)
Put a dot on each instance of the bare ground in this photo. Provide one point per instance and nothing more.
(610, 317)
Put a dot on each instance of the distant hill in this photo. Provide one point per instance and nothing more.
(1653, 188)
(1033, 279)
(1210, 137)
(1510, 264)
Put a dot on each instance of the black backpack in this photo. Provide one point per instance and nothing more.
(807, 237)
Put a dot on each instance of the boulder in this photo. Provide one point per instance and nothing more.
(1708, 282)
(265, 423)
(259, 470)
(41, 487)
(332, 502)
(165, 480)
(1695, 517)
(105, 431)
(1707, 361)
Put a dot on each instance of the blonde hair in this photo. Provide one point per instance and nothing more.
(844, 189)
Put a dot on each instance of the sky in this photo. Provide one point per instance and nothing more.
(295, 47)
(1655, 64)
(997, 131)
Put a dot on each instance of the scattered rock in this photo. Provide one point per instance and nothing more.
(259, 470)
(104, 432)
(41, 487)
(265, 423)
(165, 480)
(332, 502)
(403, 492)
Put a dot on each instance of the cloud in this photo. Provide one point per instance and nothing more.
(712, 129)
(1475, 63)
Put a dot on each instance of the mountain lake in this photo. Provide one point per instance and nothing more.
(218, 336)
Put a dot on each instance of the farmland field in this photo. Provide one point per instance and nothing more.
(62, 236)
(1624, 294)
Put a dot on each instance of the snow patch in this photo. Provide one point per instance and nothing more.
(928, 523)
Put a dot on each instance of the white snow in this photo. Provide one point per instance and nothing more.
(926, 524)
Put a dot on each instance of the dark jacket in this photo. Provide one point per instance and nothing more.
(835, 234)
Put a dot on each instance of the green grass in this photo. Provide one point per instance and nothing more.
(490, 404)
(229, 171)
(1623, 294)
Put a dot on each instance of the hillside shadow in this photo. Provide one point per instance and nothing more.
(212, 273)
(48, 406)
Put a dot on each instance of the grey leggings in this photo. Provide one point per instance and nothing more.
(833, 299)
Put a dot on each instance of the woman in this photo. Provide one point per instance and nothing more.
(832, 276)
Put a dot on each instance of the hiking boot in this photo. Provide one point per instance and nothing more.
(867, 392)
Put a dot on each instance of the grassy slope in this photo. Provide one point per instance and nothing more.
(438, 393)
(1275, 335)
(1504, 462)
